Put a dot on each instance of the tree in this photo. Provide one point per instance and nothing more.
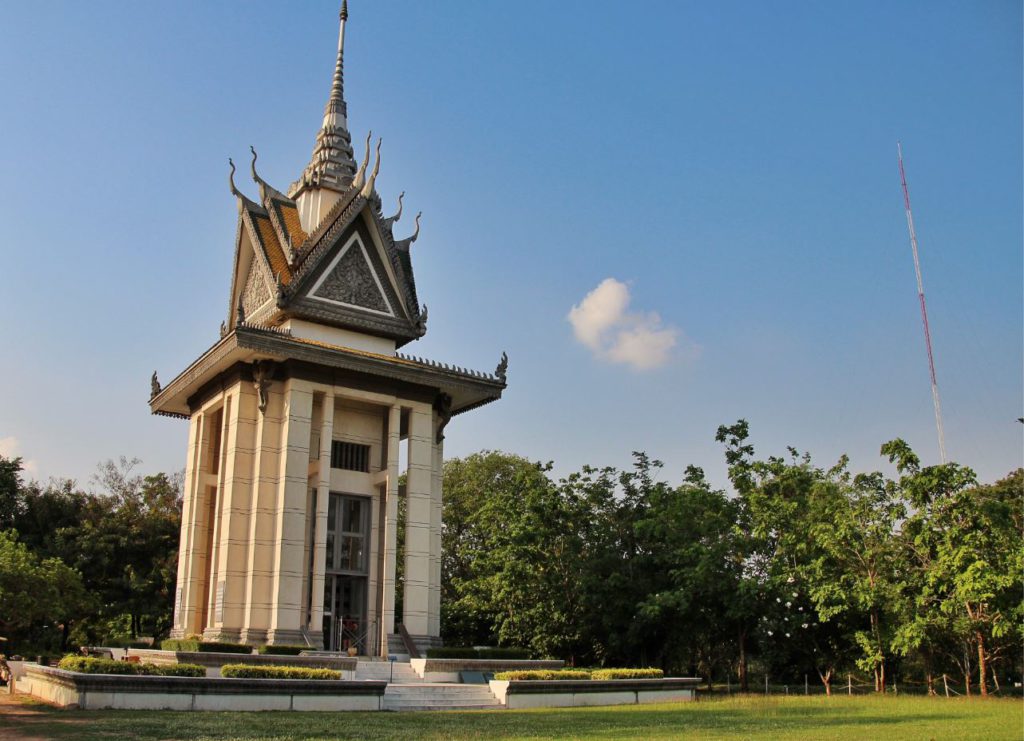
(36, 593)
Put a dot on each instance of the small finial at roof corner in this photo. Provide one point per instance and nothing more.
(231, 179)
(360, 176)
(416, 232)
(252, 165)
(372, 180)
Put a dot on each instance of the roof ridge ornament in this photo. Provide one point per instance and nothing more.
(252, 166)
(390, 221)
(231, 180)
(501, 372)
(360, 177)
(372, 180)
(403, 245)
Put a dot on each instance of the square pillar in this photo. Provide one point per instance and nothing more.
(434, 606)
(323, 498)
(390, 528)
(186, 607)
(290, 516)
(416, 596)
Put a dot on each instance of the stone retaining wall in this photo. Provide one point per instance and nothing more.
(105, 691)
(561, 693)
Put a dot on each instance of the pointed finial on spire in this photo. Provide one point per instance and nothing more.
(368, 188)
(338, 84)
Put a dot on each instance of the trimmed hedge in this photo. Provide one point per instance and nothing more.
(93, 665)
(545, 674)
(194, 645)
(178, 670)
(281, 650)
(627, 674)
(466, 652)
(246, 671)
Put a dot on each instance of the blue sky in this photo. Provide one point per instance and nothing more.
(731, 166)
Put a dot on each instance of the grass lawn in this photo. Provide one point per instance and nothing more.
(737, 717)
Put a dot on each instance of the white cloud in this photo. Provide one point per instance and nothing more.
(640, 340)
(10, 447)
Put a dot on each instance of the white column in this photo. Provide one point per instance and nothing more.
(323, 497)
(434, 611)
(290, 515)
(185, 604)
(390, 525)
(416, 594)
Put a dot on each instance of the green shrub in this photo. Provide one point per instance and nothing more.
(180, 644)
(93, 665)
(281, 650)
(466, 652)
(193, 645)
(246, 671)
(175, 670)
(627, 674)
(545, 674)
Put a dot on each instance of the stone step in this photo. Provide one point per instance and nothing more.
(439, 696)
(397, 688)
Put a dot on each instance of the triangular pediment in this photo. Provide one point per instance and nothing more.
(352, 280)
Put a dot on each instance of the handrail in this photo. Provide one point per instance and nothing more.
(410, 647)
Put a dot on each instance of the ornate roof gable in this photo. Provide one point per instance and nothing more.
(351, 273)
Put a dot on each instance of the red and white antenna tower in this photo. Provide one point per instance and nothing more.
(924, 310)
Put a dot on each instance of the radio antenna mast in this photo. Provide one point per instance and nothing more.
(924, 310)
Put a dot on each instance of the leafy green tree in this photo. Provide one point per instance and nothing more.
(36, 593)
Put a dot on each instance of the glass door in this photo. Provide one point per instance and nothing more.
(345, 582)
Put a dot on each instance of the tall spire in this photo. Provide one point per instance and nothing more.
(337, 99)
(331, 165)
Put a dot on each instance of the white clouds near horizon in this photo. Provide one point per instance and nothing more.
(10, 447)
(641, 340)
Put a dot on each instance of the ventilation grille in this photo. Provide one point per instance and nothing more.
(350, 456)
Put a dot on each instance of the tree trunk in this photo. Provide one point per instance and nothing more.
(881, 677)
(967, 683)
(931, 684)
(743, 662)
(878, 683)
(826, 679)
(982, 663)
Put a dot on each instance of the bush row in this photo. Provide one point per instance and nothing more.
(281, 650)
(195, 645)
(466, 652)
(544, 674)
(596, 674)
(93, 665)
(247, 671)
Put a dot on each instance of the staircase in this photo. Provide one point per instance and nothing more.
(429, 696)
(406, 690)
(400, 672)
